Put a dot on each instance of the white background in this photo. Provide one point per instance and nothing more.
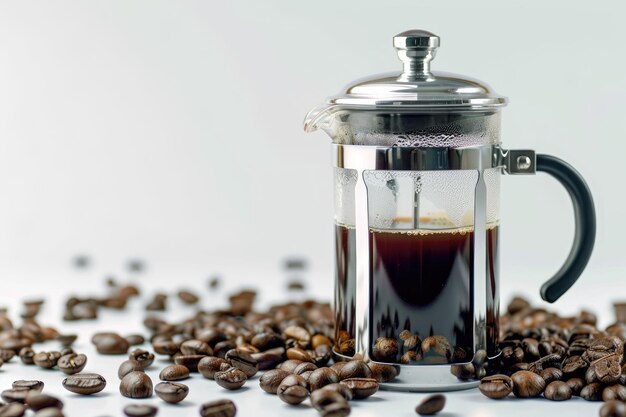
(172, 131)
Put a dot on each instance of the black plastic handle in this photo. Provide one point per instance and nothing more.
(585, 233)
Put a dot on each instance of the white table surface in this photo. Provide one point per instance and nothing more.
(250, 400)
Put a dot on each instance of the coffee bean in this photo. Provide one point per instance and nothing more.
(209, 365)
(12, 410)
(614, 392)
(230, 379)
(15, 395)
(158, 303)
(165, 347)
(72, 363)
(321, 377)
(6, 355)
(591, 392)
(321, 398)
(575, 366)
(219, 408)
(464, 372)
(135, 339)
(551, 374)
(242, 360)
(189, 361)
(299, 355)
(38, 401)
(531, 348)
(267, 360)
(144, 357)
(292, 389)
(437, 345)
(271, 379)
(290, 365)
(171, 392)
(527, 384)
(174, 373)
(299, 334)
(340, 409)
(140, 410)
(385, 349)
(267, 340)
(195, 347)
(27, 356)
(127, 367)
(343, 390)
(496, 386)
(136, 385)
(613, 409)
(355, 369)
(111, 344)
(557, 391)
(319, 340)
(188, 297)
(32, 385)
(575, 384)
(431, 405)
(383, 373)
(606, 370)
(49, 412)
(361, 387)
(517, 304)
(304, 367)
(85, 384)
(47, 360)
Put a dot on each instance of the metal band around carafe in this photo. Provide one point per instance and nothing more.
(479, 158)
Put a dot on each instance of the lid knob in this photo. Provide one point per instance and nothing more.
(416, 48)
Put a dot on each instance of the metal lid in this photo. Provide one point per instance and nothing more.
(417, 87)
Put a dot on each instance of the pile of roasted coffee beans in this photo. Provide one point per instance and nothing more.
(26, 395)
(558, 357)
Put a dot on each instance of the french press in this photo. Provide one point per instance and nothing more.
(417, 165)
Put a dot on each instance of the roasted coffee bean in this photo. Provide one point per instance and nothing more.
(171, 392)
(32, 385)
(47, 360)
(140, 410)
(411, 356)
(531, 348)
(299, 334)
(527, 384)
(27, 356)
(340, 409)
(385, 349)
(195, 347)
(127, 367)
(614, 392)
(12, 410)
(165, 347)
(267, 360)
(522, 366)
(72, 363)
(188, 297)
(606, 370)
(361, 387)
(299, 355)
(575, 384)
(6, 355)
(111, 344)
(144, 357)
(496, 386)
(174, 373)
(464, 372)
(158, 303)
(304, 367)
(319, 340)
(517, 304)
(15, 395)
(38, 401)
(613, 409)
(591, 392)
(49, 412)
(209, 365)
(551, 374)
(267, 340)
(321, 377)
(553, 360)
(322, 398)
(270, 380)
(383, 373)
(575, 366)
(84, 384)
(230, 379)
(355, 369)
(290, 365)
(242, 360)
(135, 339)
(292, 389)
(136, 385)
(431, 405)
(189, 361)
(557, 391)
(219, 408)
(341, 389)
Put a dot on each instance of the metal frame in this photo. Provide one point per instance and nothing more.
(478, 158)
